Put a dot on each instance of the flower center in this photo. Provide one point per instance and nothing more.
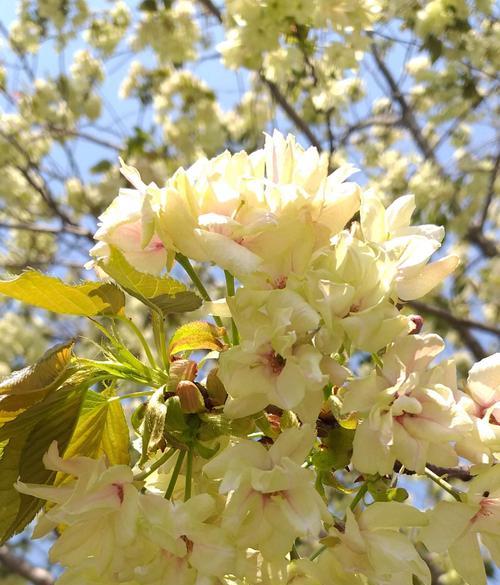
(119, 491)
(275, 362)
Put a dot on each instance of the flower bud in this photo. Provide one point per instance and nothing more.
(418, 322)
(215, 388)
(190, 397)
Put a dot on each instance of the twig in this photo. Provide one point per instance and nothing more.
(462, 473)
(19, 566)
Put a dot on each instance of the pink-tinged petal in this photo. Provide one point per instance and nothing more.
(416, 352)
(427, 278)
(227, 253)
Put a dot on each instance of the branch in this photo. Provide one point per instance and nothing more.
(451, 319)
(289, 110)
(462, 473)
(278, 97)
(407, 115)
(474, 234)
(19, 566)
(63, 132)
(384, 121)
(47, 229)
(491, 191)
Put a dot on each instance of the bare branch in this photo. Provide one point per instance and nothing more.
(19, 566)
(62, 132)
(383, 121)
(46, 229)
(462, 473)
(452, 319)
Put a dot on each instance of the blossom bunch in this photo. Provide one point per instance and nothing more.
(307, 379)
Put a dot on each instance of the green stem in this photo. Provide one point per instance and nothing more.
(442, 484)
(160, 341)
(359, 496)
(132, 395)
(175, 475)
(186, 264)
(316, 554)
(141, 338)
(230, 293)
(189, 474)
(154, 466)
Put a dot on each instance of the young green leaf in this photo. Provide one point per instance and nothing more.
(47, 292)
(24, 388)
(101, 430)
(163, 294)
(45, 373)
(196, 335)
(29, 437)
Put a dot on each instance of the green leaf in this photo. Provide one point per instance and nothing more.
(101, 430)
(47, 292)
(45, 373)
(339, 442)
(162, 294)
(29, 436)
(196, 335)
(24, 388)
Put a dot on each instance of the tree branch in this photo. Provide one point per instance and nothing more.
(451, 319)
(491, 191)
(47, 229)
(19, 566)
(278, 97)
(407, 114)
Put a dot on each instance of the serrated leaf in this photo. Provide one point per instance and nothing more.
(46, 372)
(47, 292)
(29, 437)
(162, 294)
(101, 430)
(196, 335)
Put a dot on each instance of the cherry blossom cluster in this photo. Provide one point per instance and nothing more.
(321, 338)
